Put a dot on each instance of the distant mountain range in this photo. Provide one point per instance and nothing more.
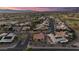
(13, 11)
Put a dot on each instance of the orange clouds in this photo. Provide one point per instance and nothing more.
(25, 8)
(13, 8)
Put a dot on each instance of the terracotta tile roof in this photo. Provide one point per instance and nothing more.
(38, 36)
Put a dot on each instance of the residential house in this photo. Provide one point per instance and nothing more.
(38, 36)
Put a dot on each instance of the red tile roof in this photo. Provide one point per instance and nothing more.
(39, 36)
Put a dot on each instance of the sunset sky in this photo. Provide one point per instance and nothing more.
(41, 8)
(30, 8)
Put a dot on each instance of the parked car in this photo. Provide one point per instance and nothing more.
(61, 40)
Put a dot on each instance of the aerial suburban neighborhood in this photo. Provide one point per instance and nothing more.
(39, 30)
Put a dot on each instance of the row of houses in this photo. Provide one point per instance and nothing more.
(59, 36)
(12, 30)
(51, 38)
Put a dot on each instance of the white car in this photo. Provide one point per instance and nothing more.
(61, 39)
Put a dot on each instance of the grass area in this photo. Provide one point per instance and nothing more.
(22, 36)
(74, 24)
(29, 48)
(71, 18)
